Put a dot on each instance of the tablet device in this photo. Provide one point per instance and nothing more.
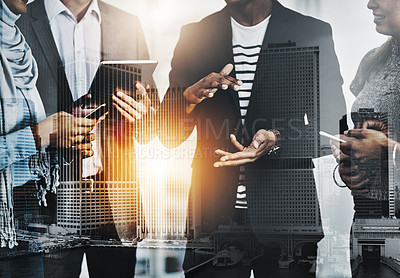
(113, 76)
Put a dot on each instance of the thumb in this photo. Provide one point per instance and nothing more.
(227, 69)
(144, 93)
(259, 138)
(256, 144)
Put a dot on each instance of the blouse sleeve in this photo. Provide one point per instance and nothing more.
(16, 148)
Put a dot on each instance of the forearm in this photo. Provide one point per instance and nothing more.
(17, 146)
(21, 172)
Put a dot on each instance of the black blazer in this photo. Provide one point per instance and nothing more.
(206, 47)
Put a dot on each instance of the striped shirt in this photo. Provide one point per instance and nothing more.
(246, 44)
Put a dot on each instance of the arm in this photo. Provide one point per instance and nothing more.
(181, 105)
(350, 173)
(61, 130)
(363, 147)
(16, 148)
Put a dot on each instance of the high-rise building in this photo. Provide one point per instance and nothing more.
(281, 192)
(84, 207)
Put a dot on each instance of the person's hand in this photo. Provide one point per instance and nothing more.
(375, 125)
(354, 178)
(349, 171)
(335, 148)
(65, 131)
(207, 86)
(83, 106)
(368, 145)
(133, 110)
(85, 147)
(263, 142)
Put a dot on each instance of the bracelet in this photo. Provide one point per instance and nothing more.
(334, 178)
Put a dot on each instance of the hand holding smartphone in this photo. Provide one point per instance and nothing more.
(323, 133)
(98, 112)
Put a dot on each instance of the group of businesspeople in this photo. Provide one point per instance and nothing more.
(50, 54)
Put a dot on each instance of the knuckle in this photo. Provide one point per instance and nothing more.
(211, 75)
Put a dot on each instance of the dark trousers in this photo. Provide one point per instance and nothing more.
(102, 263)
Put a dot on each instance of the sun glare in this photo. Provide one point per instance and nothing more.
(164, 177)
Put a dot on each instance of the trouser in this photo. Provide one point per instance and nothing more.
(102, 262)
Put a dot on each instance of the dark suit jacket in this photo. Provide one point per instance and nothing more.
(206, 47)
(122, 39)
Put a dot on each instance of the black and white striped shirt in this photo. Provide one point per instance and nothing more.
(246, 44)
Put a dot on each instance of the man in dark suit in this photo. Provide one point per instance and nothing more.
(206, 92)
(120, 37)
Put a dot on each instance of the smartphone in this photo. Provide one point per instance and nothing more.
(97, 112)
(323, 133)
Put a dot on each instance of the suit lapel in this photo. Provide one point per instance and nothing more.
(106, 26)
(277, 27)
(276, 30)
(224, 48)
(41, 27)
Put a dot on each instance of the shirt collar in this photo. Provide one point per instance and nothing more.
(56, 7)
(94, 8)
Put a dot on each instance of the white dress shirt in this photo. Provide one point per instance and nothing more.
(78, 43)
(79, 47)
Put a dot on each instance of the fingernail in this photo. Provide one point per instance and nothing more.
(210, 95)
(216, 165)
(240, 82)
(345, 133)
(236, 88)
(223, 158)
(256, 144)
(119, 94)
(224, 86)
